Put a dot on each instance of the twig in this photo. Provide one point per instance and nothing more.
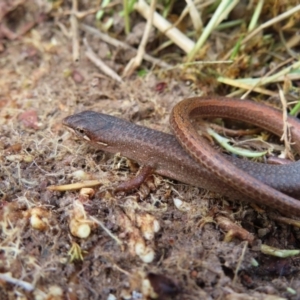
(104, 37)
(239, 263)
(136, 61)
(287, 46)
(90, 54)
(285, 220)
(79, 14)
(286, 136)
(198, 62)
(74, 30)
(23, 284)
(162, 25)
(118, 241)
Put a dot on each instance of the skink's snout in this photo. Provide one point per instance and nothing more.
(93, 126)
(83, 124)
(79, 119)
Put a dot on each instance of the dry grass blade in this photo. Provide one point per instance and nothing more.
(136, 61)
(195, 16)
(74, 186)
(181, 40)
(254, 84)
(90, 54)
(119, 44)
(74, 30)
(116, 239)
(246, 86)
(286, 136)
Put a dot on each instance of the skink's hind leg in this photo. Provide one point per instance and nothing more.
(135, 182)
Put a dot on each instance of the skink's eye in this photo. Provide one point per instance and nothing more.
(82, 133)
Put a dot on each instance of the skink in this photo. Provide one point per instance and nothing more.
(271, 185)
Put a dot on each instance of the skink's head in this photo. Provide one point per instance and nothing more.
(95, 127)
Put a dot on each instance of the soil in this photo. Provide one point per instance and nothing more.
(194, 256)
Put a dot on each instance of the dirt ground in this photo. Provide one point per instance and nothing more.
(186, 253)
